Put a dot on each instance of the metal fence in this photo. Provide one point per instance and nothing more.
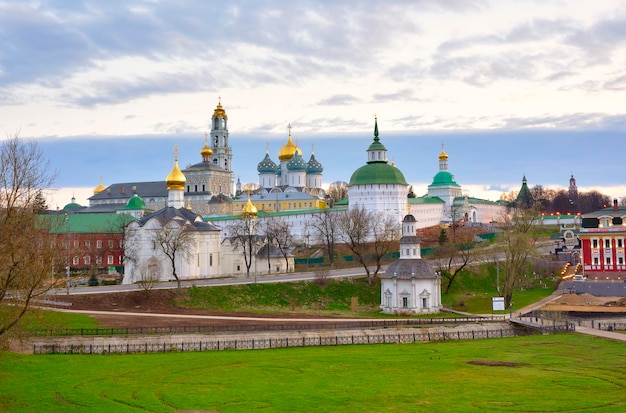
(608, 325)
(209, 344)
(268, 326)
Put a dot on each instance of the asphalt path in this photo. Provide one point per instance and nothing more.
(291, 277)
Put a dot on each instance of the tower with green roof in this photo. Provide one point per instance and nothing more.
(524, 198)
(444, 185)
(377, 185)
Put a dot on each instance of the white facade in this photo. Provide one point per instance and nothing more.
(146, 260)
(410, 284)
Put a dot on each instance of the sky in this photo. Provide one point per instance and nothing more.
(510, 88)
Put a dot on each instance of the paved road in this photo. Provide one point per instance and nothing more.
(302, 276)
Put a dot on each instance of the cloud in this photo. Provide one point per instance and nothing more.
(337, 100)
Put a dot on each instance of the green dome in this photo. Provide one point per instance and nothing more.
(444, 178)
(377, 173)
(266, 165)
(297, 164)
(72, 205)
(313, 166)
(135, 203)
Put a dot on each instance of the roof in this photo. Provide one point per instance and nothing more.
(124, 190)
(444, 178)
(64, 223)
(217, 218)
(459, 200)
(425, 200)
(135, 203)
(165, 215)
(204, 166)
(377, 173)
(406, 269)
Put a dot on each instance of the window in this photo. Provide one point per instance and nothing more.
(99, 243)
(607, 260)
(75, 261)
(210, 259)
(75, 243)
(620, 243)
(620, 260)
(87, 243)
(596, 261)
(110, 260)
(594, 243)
(110, 243)
(607, 243)
(405, 302)
(99, 260)
(87, 260)
(424, 302)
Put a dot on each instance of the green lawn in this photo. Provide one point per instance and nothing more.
(560, 373)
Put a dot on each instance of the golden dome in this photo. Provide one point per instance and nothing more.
(176, 179)
(443, 156)
(206, 151)
(249, 210)
(219, 110)
(99, 188)
(289, 150)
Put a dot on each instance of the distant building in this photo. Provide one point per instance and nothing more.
(211, 177)
(602, 236)
(379, 186)
(93, 242)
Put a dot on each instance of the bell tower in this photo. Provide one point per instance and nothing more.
(222, 154)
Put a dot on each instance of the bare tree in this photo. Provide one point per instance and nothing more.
(244, 237)
(369, 236)
(452, 257)
(149, 272)
(279, 234)
(516, 247)
(337, 191)
(175, 241)
(28, 252)
(324, 229)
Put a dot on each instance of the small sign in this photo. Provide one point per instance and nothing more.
(498, 303)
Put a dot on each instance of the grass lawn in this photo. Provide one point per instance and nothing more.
(559, 373)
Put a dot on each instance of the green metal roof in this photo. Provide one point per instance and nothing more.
(85, 223)
(262, 214)
(377, 173)
(444, 178)
(134, 203)
(425, 200)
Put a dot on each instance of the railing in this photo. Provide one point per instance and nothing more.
(268, 326)
(543, 324)
(608, 325)
(268, 343)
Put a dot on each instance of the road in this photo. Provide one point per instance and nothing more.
(301, 276)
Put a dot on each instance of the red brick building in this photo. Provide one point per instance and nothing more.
(602, 236)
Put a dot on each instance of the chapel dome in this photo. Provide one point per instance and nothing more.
(313, 166)
(249, 210)
(219, 111)
(176, 179)
(206, 151)
(266, 165)
(135, 203)
(444, 178)
(99, 188)
(288, 150)
(297, 164)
